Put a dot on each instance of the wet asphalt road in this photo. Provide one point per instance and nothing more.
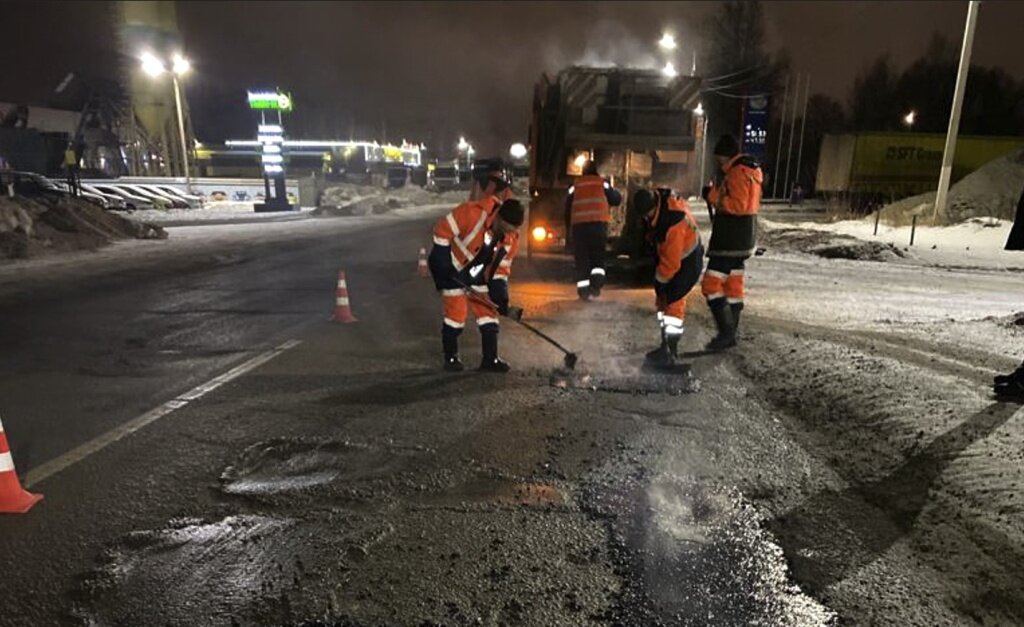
(83, 357)
(349, 482)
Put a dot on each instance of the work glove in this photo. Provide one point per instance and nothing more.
(498, 291)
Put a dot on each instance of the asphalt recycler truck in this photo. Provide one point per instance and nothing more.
(638, 125)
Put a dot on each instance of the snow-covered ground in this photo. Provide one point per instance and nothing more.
(214, 211)
(974, 243)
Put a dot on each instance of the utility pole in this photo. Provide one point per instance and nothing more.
(803, 125)
(954, 116)
(782, 131)
(792, 131)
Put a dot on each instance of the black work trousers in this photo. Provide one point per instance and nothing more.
(588, 242)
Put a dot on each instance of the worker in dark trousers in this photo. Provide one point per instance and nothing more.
(1010, 387)
(588, 207)
(734, 201)
(672, 230)
(71, 168)
(474, 246)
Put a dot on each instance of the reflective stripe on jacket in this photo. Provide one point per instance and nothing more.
(676, 237)
(466, 231)
(589, 203)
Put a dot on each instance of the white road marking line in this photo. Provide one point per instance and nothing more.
(79, 453)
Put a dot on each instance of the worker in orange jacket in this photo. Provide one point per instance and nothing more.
(673, 232)
(734, 202)
(588, 209)
(474, 246)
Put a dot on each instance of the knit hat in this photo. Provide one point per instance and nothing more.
(727, 146)
(511, 211)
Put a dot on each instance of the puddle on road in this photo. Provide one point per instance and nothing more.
(291, 466)
(195, 573)
(241, 570)
(700, 557)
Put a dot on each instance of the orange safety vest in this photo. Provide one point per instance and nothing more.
(589, 203)
(740, 194)
(467, 228)
(680, 240)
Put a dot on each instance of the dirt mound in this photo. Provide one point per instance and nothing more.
(32, 227)
(990, 191)
(825, 244)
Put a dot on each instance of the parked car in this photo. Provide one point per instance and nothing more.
(132, 201)
(30, 184)
(158, 199)
(114, 201)
(194, 202)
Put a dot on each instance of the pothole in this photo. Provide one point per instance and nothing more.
(676, 382)
(498, 491)
(293, 466)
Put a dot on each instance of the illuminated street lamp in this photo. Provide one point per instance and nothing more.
(669, 70)
(910, 118)
(518, 151)
(700, 113)
(667, 42)
(180, 66)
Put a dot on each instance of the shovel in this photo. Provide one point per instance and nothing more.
(516, 315)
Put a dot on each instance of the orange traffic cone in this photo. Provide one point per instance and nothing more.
(13, 498)
(421, 267)
(342, 311)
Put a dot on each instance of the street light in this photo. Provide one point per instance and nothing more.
(667, 42)
(518, 151)
(909, 118)
(669, 70)
(180, 66)
(699, 112)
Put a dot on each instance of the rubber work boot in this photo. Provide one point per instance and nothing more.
(737, 309)
(452, 363)
(1002, 379)
(726, 337)
(662, 356)
(1012, 390)
(489, 341)
(450, 346)
(583, 292)
(596, 283)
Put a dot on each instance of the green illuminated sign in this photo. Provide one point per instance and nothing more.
(273, 100)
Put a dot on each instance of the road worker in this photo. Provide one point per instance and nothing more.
(471, 260)
(588, 207)
(734, 201)
(672, 230)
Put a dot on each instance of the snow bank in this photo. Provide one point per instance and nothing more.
(360, 200)
(31, 227)
(991, 190)
(212, 211)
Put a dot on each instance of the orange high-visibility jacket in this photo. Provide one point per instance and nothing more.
(740, 193)
(466, 229)
(589, 203)
(675, 237)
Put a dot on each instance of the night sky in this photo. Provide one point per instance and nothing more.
(434, 70)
